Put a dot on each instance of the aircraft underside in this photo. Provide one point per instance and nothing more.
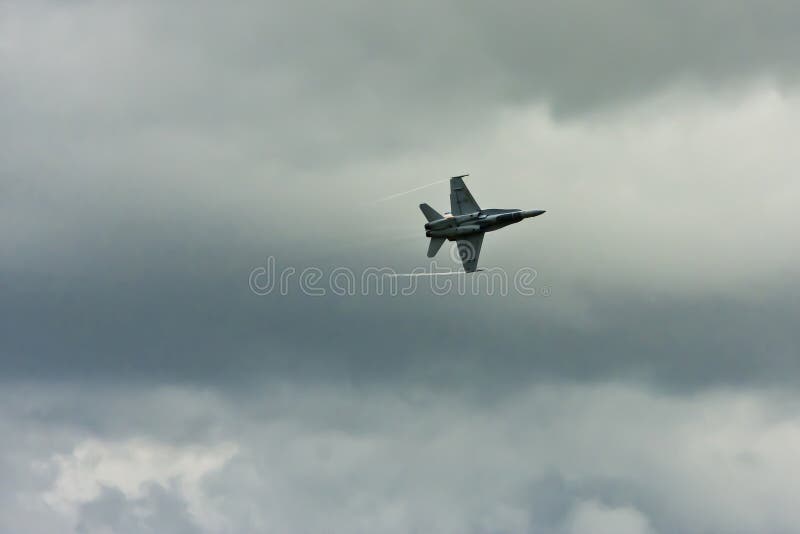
(467, 223)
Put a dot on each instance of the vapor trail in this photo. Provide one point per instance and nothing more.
(446, 273)
(390, 197)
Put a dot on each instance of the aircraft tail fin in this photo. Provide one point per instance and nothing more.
(434, 246)
(430, 213)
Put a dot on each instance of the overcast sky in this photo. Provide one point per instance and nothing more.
(154, 155)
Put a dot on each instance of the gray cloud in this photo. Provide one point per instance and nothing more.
(208, 326)
(549, 459)
(657, 269)
(159, 511)
(152, 155)
(313, 84)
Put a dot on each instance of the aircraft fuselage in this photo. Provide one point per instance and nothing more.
(458, 226)
(466, 223)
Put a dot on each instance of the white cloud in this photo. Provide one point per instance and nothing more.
(130, 466)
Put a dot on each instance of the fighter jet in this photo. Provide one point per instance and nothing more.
(466, 223)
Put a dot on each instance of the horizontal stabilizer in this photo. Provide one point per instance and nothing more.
(469, 250)
(435, 245)
(430, 213)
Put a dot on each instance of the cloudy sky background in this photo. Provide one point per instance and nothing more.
(152, 155)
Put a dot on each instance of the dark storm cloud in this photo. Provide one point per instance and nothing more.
(195, 318)
(152, 158)
(152, 155)
(307, 83)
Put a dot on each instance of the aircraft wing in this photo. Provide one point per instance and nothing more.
(461, 200)
(469, 248)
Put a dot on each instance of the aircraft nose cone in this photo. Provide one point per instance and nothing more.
(532, 213)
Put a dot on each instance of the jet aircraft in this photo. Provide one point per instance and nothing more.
(466, 223)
